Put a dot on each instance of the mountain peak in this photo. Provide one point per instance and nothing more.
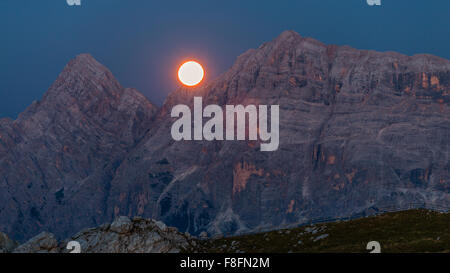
(288, 34)
(97, 150)
(87, 66)
(85, 89)
(84, 57)
(84, 75)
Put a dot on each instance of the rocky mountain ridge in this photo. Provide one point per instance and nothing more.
(62, 150)
(359, 130)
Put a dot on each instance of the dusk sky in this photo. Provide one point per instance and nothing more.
(142, 42)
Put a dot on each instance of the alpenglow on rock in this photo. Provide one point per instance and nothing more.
(359, 131)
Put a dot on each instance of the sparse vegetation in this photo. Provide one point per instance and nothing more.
(406, 231)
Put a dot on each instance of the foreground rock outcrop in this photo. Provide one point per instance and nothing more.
(359, 131)
(397, 232)
(6, 244)
(124, 235)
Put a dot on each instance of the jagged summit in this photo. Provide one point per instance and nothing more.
(85, 58)
(84, 73)
(84, 65)
(67, 147)
(291, 61)
(83, 85)
(287, 34)
(85, 62)
(346, 117)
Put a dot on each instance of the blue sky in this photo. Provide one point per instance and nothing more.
(142, 42)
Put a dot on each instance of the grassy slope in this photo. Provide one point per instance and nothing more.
(406, 231)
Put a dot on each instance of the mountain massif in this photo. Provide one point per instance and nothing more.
(359, 131)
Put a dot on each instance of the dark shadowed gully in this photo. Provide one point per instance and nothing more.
(359, 130)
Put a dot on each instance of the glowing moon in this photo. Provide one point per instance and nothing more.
(190, 73)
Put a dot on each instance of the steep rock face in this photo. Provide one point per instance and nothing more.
(359, 130)
(124, 235)
(58, 157)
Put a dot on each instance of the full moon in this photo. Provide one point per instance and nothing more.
(190, 73)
